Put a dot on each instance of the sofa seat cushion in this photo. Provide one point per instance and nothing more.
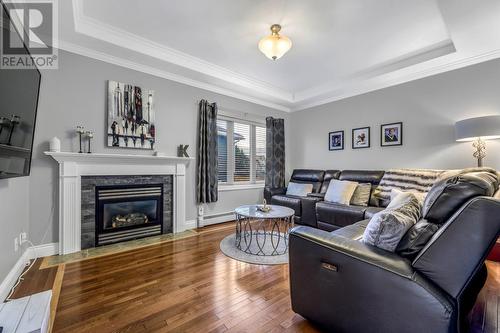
(339, 215)
(370, 211)
(354, 231)
(289, 201)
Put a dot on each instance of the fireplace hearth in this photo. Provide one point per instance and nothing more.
(125, 212)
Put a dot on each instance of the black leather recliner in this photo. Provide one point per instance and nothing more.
(345, 285)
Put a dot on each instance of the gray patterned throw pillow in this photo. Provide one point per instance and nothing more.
(387, 227)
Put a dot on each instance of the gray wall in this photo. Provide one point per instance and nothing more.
(428, 108)
(76, 95)
(14, 220)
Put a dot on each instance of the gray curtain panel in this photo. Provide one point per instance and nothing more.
(207, 175)
(275, 152)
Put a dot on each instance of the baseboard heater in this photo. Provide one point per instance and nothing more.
(217, 218)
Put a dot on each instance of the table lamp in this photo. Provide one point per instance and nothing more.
(478, 130)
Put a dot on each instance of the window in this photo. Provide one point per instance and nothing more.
(242, 151)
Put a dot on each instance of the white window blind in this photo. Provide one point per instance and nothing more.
(222, 149)
(260, 153)
(242, 151)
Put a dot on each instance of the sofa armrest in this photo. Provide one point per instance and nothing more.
(332, 277)
(270, 191)
(309, 211)
(317, 195)
(357, 250)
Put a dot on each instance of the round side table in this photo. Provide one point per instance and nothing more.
(263, 234)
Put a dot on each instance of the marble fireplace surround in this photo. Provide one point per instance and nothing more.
(72, 166)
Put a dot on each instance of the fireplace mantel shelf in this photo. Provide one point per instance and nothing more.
(116, 158)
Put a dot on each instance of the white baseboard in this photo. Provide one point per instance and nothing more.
(11, 278)
(218, 218)
(191, 224)
(43, 250)
(38, 251)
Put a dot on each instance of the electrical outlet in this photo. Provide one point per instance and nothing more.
(23, 237)
(16, 245)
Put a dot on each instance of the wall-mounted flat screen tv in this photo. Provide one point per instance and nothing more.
(19, 89)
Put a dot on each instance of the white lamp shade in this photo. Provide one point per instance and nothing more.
(486, 128)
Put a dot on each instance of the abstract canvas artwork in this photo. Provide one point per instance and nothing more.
(131, 117)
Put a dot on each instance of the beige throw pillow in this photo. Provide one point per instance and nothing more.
(340, 191)
(361, 195)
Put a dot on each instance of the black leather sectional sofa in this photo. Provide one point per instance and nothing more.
(429, 284)
(314, 211)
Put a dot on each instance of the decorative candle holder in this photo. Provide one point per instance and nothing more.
(4, 122)
(14, 120)
(80, 130)
(90, 135)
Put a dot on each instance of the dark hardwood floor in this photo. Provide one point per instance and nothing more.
(188, 285)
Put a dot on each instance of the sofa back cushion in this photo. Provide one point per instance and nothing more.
(416, 238)
(358, 176)
(458, 249)
(449, 194)
(406, 180)
(362, 176)
(308, 176)
(329, 175)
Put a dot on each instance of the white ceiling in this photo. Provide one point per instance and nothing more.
(340, 47)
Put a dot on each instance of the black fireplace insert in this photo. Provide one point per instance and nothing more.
(125, 212)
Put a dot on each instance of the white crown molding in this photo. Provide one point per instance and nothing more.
(90, 53)
(336, 93)
(390, 80)
(111, 34)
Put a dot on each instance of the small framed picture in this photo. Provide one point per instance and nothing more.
(361, 138)
(391, 134)
(336, 140)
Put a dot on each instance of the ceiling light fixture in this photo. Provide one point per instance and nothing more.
(275, 45)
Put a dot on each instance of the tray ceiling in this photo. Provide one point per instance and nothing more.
(340, 48)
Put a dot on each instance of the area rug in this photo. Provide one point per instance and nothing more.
(228, 247)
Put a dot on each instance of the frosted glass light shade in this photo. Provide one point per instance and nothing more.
(275, 45)
(486, 128)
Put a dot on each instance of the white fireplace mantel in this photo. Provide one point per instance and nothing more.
(72, 166)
